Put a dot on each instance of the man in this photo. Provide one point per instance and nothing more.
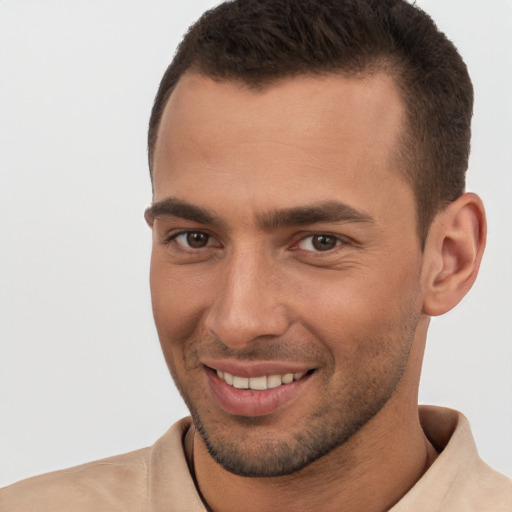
(309, 216)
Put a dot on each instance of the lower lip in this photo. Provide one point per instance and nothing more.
(246, 402)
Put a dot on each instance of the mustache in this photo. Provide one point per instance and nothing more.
(264, 349)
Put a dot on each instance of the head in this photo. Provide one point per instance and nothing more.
(259, 42)
(300, 153)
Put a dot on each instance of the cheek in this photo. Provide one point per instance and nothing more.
(363, 312)
(178, 303)
(178, 295)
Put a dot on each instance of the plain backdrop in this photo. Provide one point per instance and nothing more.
(81, 374)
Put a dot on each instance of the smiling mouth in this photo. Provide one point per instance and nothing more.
(262, 382)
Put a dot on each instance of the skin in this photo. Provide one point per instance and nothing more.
(246, 283)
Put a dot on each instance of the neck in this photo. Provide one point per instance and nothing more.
(387, 455)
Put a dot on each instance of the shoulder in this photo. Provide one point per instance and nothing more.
(491, 488)
(106, 484)
(466, 480)
(131, 481)
(459, 479)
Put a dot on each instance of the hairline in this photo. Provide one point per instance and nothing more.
(404, 153)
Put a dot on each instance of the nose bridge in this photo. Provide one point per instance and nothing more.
(248, 304)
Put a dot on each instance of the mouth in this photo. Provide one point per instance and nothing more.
(256, 391)
(262, 382)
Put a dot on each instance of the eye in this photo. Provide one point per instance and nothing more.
(192, 239)
(319, 243)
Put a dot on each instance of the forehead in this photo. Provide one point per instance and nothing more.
(308, 134)
(299, 105)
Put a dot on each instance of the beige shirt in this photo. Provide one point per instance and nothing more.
(157, 479)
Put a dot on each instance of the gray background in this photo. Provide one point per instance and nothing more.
(81, 374)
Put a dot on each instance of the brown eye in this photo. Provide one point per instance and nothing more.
(197, 240)
(319, 243)
(324, 242)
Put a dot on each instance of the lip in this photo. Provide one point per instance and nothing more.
(255, 369)
(250, 403)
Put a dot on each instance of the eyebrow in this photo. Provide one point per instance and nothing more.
(172, 207)
(329, 211)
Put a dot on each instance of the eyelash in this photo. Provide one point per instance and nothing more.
(339, 241)
(173, 239)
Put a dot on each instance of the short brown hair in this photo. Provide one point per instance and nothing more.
(259, 42)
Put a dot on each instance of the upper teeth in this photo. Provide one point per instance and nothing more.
(259, 383)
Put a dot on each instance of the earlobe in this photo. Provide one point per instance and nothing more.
(453, 252)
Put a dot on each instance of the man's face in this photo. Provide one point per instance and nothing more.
(285, 259)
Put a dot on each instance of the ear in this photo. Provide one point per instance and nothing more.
(149, 217)
(453, 252)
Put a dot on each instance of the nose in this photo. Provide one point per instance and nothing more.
(249, 304)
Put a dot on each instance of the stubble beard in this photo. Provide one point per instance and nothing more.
(273, 457)
(320, 432)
